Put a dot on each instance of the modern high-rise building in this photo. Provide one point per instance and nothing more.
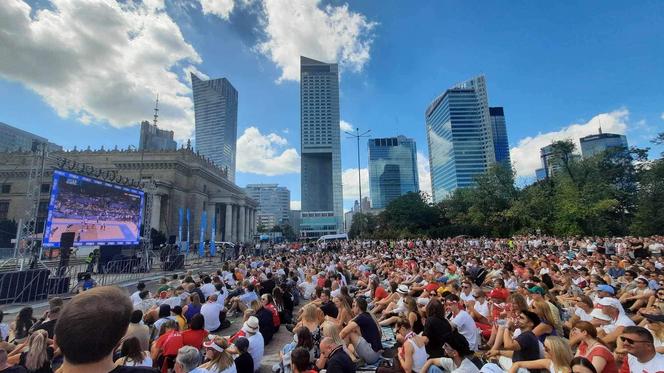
(215, 110)
(392, 169)
(459, 136)
(501, 146)
(13, 139)
(153, 138)
(595, 144)
(550, 161)
(322, 204)
(273, 203)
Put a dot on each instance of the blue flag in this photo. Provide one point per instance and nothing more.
(180, 218)
(201, 242)
(213, 233)
(186, 246)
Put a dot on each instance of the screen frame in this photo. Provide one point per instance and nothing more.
(61, 174)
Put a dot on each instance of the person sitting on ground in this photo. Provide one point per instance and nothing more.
(301, 338)
(458, 358)
(133, 355)
(462, 320)
(524, 347)
(211, 311)
(138, 330)
(165, 348)
(104, 310)
(217, 359)
(6, 367)
(333, 357)
(187, 361)
(256, 346)
(363, 333)
(300, 362)
(135, 296)
(196, 334)
(35, 354)
(243, 362)
(557, 357)
(581, 365)
(412, 355)
(638, 342)
(584, 334)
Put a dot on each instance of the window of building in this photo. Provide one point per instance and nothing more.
(6, 188)
(42, 210)
(45, 188)
(4, 209)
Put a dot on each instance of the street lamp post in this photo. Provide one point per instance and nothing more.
(357, 135)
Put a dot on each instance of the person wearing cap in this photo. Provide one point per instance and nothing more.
(617, 320)
(217, 359)
(525, 347)
(536, 293)
(637, 297)
(256, 349)
(458, 358)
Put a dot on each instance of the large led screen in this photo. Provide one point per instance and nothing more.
(99, 212)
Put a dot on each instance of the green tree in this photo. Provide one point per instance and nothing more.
(649, 216)
(411, 213)
(363, 225)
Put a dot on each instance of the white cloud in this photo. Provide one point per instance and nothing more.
(525, 156)
(100, 60)
(351, 186)
(220, 8)
(186, 74)
(265, 154)
(295, 205)
(305, 28)
(662, 116)
(424, 173)
(345, 126)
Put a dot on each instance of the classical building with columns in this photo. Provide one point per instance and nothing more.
(183, 178)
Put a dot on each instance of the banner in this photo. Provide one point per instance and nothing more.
(213, 233)
(186, 246)
(201, 242)
(180, 218)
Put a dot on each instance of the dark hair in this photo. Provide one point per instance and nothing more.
(304, 338)
(300, 359)
(532, 316)
(140, 286)
(197, 322)
(435, 309)
(207, 279)
(143, 294)
(24, 320)
(580, 360)
(164, 310)
(136, 316)
(361, 304)
(242, 344)
(177, 310)
(452, 298)
(131, 349)
(641, 331)
(106, 310)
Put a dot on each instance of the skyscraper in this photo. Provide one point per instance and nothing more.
(501, 144)
(392, 169)
(215, 110)
(595, 144)
(459, 136)
(273, 203)
(153, 138)
(13, 139)
(322, 205)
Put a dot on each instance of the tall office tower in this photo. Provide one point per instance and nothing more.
(322, 204)
(273, 203)
(501, 146)
(153, 138)
(595, 144)
(459, 136)
(392, 169)
(13, 139)
(215, 110)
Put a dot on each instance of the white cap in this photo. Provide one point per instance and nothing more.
(598, 314)
(610, 302)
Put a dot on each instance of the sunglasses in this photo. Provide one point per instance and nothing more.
(631, 341)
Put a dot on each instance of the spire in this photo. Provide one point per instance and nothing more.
(600, 125)
(156, 110)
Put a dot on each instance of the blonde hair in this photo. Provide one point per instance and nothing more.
(310, 312)
(221, 360)
(543, 310)
(560, 353)
(331, 330)
(37, 354)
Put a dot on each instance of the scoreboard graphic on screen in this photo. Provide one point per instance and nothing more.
(98, 212)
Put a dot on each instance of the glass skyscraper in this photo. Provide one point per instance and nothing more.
(273, 203)
(322, 205)
(499, 130)
(392, 169)
(459, 136)
(595, 144)
(215, 110)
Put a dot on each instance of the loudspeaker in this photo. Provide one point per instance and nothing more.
(171, 239)
(66, 243)
(174, 262)
(67, 240)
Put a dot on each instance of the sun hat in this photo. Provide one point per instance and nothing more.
(402, 289)
(598, 314)
(251, 325)
(606, 288)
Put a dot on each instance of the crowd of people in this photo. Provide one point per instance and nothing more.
(526, 304)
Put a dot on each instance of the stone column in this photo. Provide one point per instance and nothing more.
(211, 214)
(156, 211)
(235, 224)
(229, 223)
(241, 220)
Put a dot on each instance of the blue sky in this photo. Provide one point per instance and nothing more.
(558, 68)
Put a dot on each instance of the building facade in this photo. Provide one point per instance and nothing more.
(154, 138)
(183, 178)
(273, 203)
(595, 144)
(501, 144)
(392, 169)
(13, 139)
(322, 204)
(459, 136)
(215, 111)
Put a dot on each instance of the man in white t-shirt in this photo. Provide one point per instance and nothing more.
(208, 288)
(210, 311)
(619, 320)
(642, 357)
(135, 296)
(462, 321)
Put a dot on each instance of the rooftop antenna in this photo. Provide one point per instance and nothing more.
(156, 110)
